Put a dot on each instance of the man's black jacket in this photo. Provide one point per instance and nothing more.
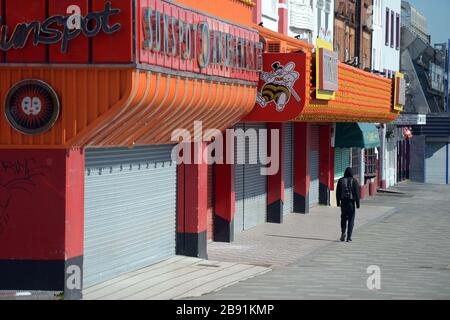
(355, 188)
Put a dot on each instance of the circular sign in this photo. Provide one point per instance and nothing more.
(32, 107)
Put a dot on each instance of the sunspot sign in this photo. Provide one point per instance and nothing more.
(281, 91)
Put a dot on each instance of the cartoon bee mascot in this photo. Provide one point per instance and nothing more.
(279, 86)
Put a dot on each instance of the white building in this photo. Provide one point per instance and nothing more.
(269, 14)
(386, 36)
(386, 59)
(311, 19)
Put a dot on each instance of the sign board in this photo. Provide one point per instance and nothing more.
(327, 61)
(406, 119)
(174, 37)
(282, 88)
(66, 31)
(32, 107)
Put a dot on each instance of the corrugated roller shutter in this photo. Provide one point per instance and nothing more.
(355, 155)
(130, 210)
(211, 199)
(436, 159)
(255, 184)
(288, 206)
(391, 163)
(314, 174)
(341, 161)
(239, 188)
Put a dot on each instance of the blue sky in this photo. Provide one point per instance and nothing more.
(438, 18)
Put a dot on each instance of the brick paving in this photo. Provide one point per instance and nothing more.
(411, 247)
(299, 235)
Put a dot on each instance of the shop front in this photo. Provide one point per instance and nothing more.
(429, 150)
(348, 107)
(95, 99)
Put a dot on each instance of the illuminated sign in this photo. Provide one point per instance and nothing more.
(281, 94)
(326, 71)
(180, 39)
(32, 107)
(56, 29)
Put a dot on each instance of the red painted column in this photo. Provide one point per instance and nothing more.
(224, 201)
(302, 170)
(331, 178)
(42, 220)
(326, 165)
(275, 183)
(192, 206)
(283, 17)
(257, 11)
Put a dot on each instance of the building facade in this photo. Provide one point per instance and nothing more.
(386, 61)
(91, 182)
(414, 21)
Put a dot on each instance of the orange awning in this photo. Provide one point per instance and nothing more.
(362, 97)
(125, 107)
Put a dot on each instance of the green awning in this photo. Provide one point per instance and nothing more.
(356, 135)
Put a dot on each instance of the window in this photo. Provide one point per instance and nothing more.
(370, 162)
(397, 32)
(387, 26)
(392, 29)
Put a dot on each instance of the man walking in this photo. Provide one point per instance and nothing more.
(347, 197)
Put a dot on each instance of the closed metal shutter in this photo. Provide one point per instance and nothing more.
(288, 206)
(314, 174)
(255, 184)
(250, 185)
(341, 161)
(391, 163)
(130, 210)
(436, 162)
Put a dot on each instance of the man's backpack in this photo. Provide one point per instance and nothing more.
(347, 189)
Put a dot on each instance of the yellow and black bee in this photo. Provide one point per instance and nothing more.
(272, 92)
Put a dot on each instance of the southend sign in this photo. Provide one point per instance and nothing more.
(56, 29)
(208, 44)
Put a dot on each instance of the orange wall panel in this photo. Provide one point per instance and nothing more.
(84, 93)
(362, 97)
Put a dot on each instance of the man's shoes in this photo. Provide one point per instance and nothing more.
(343, 237)
(349, 240)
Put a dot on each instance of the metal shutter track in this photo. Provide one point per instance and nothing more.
(288, 159)
(435, 163)
(129, 223)
(239, 190)
(314, 176)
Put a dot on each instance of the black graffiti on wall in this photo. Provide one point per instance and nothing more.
(15, 176)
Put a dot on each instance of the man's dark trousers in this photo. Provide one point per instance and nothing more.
(347, 216)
